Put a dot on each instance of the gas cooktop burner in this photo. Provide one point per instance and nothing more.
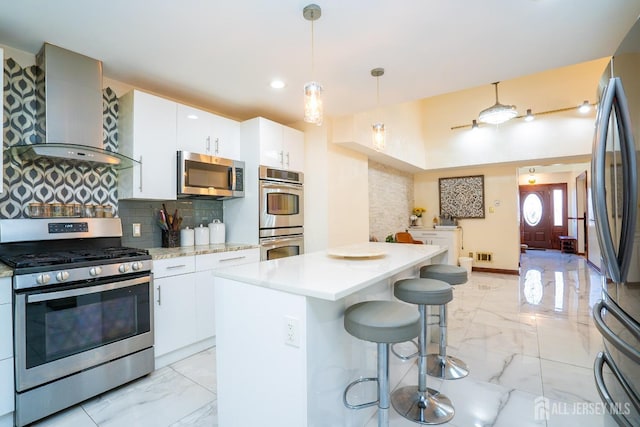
(44, 259)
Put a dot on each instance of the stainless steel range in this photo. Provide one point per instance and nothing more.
(83, 311)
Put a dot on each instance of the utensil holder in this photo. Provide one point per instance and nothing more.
(170, 238)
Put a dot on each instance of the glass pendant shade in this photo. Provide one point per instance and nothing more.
(378, 136)
(497, 113)
(313, 103)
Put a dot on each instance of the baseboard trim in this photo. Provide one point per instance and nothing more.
(593, 265)
(496, 270)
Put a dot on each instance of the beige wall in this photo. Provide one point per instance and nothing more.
(498, 232)
(390, 200)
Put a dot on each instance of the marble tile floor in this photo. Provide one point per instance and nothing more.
(525, 338)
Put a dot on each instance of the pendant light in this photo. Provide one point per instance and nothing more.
(497, 113)
(529, 117)
(532, 177)
(313, 89)
(378, 134)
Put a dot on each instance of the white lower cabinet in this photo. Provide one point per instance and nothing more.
(449, 239)
(6, 354)
(184, 316)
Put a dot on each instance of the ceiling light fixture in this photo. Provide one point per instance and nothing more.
(585, 107)
(532, 177)
(529, 117)
(378, 127)
(277, 84)
(313, 89)
(497, 113)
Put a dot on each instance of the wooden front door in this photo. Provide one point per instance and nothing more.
(543, 215)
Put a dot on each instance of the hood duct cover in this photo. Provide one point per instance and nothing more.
(71, 116)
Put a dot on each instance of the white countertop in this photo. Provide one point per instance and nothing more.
(323, 276)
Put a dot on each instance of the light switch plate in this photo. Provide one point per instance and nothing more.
(136, 230)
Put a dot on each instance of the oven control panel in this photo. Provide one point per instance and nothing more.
(68, 227)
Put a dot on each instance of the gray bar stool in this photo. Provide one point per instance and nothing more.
(382, 322)
(420, 403)
(442, 365)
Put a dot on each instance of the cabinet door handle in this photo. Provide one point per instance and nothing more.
(233, 259)
(208, 144)
(159, 300)
(282, 158)
(171, 267)
(287, 159)
(217, 145)
(140, 186)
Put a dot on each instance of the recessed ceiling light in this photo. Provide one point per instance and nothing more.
(277, 84)
(192, 117)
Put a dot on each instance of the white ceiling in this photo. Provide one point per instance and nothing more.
(221, 55)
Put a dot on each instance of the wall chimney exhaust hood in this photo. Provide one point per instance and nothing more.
(71, 116)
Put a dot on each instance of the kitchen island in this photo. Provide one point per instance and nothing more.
(283, 356)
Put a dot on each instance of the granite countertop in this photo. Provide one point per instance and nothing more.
(166, 253)
(5, 270)
(326, 276)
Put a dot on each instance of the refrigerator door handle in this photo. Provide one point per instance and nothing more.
(614, 101)
(614, 409)
(612, 337)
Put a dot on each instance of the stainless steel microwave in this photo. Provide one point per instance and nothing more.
(201, 175)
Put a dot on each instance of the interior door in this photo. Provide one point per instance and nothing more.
(543, 213)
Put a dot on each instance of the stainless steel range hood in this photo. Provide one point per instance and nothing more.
(71, 116)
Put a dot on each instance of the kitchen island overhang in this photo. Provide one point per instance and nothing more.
(283, 356)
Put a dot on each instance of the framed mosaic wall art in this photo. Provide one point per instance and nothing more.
(462, 197)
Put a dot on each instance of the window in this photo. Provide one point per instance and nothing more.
(557, 207)
(532, 209)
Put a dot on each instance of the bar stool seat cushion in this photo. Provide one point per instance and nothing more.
(423, 291)
(452, 274)
(382, 321)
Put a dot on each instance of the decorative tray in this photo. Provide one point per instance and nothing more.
(355, 253)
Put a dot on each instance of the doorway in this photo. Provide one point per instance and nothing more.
(543, 215)
(581, 215)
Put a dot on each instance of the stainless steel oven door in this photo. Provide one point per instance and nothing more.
(68, 329)
(280, 247)
(281, 205)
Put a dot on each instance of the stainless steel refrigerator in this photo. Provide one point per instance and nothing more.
(614, 188)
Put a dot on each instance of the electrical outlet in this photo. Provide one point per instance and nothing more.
(291, 331)
(136, 229)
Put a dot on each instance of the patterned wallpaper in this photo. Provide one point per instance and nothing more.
(45, 180)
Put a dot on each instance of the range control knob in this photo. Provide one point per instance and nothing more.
(137, 265)
(123, 268)
(43, 279)
(95, 271)
(61, 276)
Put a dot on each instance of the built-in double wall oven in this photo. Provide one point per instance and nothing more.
(281, 213)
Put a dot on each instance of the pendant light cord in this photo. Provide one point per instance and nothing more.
(312, 52)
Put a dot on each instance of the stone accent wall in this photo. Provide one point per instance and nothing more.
(390, 200)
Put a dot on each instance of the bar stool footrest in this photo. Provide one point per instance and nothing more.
(402, 356)
(360, 405)
(451, 368)
(428, 407)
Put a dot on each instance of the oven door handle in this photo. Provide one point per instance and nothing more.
(271, 241)
(48, 296)
(266, 184)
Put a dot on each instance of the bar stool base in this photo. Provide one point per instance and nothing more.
(449, 368)
(428, 407)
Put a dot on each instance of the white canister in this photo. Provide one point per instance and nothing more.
(186, 237)
(202, 235)
(216, 232)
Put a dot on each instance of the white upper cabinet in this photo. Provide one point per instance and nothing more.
(147, 128)
(202, 132)
(280, 146)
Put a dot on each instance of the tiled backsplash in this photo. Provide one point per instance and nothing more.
(390, 200)
(44, 180)
(145, 213)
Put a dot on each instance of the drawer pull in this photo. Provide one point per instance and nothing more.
(173, 267)
(233, 259)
